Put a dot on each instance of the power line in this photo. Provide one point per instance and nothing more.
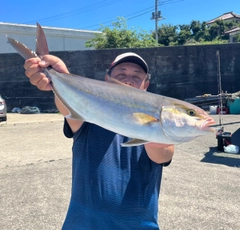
(98, 5)
(139, 13)
(77, 11)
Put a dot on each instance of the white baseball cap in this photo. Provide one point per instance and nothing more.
(130, 57)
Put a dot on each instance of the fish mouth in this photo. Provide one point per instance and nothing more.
(207, 123)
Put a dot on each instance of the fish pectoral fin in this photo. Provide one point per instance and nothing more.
(134, 142)
(144, 118)
(74, 116)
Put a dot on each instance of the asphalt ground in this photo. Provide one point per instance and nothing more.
(200, 189)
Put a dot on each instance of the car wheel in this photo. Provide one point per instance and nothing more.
(4, 118)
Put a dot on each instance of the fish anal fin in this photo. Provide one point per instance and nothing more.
(134, 142)
(144, 118)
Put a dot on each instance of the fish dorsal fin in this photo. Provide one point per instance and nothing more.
(113, 80)
(134, 142)
(144, 118)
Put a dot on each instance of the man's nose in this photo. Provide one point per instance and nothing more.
(128, 82)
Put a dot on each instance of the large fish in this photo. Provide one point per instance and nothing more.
(141, 115)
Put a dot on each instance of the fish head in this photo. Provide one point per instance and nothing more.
(182, 121)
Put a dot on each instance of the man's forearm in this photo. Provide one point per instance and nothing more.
(159, 153)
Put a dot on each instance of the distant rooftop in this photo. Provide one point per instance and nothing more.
(47, 27)
(234, 30)
(226, 16)
(59, 39)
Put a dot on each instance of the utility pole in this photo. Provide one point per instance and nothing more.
(156, 16)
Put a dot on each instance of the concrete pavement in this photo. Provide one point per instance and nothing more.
(200, 189)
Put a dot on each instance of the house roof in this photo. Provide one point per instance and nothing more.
(228, 15)
(234, 30)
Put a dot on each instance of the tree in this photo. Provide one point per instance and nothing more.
(195, 27)
(121, 37)
(236, 37)
(184, 35)
(216, 29)
(167, 34)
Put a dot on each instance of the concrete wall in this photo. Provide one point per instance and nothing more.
(59, 39)
(180, 72)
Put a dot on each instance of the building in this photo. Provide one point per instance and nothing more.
(59, 39)
(232, 34)
(229, 16)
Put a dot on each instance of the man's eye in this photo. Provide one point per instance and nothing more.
(120, 76)
(136, 77)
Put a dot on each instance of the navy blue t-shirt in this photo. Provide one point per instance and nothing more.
(113, 187)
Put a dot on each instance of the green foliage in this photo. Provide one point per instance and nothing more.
(202, 42)
(168, 35)
(196, 33)
(184, 34)
(195, 27)
(236, 37)
(121, 37)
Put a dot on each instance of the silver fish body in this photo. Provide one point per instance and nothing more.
(143, 116)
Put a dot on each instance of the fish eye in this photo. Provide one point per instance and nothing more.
(191, 112)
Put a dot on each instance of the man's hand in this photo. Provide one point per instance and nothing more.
(36, 76)
(33, 67)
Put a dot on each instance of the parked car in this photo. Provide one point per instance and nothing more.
(3, 109)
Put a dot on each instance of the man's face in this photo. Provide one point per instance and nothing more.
(130, 74)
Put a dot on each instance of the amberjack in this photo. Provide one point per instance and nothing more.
(143, 116)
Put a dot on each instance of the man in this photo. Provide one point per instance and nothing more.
(113, 187)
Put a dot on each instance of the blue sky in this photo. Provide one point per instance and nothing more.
(88, 15)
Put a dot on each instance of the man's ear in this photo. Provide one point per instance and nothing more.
(146, 84)
(106, 77)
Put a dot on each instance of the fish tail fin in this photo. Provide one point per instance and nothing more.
(23, 50)
(41, 42)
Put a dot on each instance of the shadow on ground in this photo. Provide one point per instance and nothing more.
(216, 157)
